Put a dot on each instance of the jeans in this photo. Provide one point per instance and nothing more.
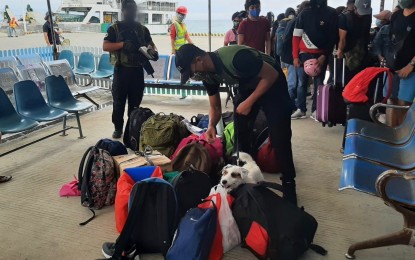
(297, 88)
(128, 84)
(275, 104)
(317, 81)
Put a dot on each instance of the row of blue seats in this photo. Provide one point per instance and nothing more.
(380, 160)
(45, 52)
(31, 107)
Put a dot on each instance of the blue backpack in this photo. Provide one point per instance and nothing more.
(280, 35)
(195, 234)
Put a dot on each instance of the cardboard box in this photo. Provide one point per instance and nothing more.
(123, 162)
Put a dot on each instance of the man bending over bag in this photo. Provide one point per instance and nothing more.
(262, 84)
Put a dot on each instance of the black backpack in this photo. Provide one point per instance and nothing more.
(287, 43)
(132, 131)
(114, 148)
(278, 229)
(191, 187)
(152, 219)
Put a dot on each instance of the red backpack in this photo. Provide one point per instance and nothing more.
(356, 90)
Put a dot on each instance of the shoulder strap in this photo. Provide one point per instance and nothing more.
(82, 166)
(161, 224)
(128, 229)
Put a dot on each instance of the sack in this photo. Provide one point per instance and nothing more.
(282, 231)
(132, 131)
(113, 147)
(70, 189)
(357, 89)
(229, 139)
(227, 233)
(195, 155)
(215, 150)
(163, 133)
(151, 218)
(97, 180)
(267, 158)
(194, 236)
(190, 186)
(125, 185)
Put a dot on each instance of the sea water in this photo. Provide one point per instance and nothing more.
(202, 26)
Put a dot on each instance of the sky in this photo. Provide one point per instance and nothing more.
(221, 9)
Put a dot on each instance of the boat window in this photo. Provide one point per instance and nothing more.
(157, 18)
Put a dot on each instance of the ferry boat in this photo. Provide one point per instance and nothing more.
(97, 15)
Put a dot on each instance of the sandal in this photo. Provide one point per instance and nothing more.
(5, 178)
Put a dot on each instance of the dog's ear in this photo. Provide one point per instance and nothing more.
(244, 173)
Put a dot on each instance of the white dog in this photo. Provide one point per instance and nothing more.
(233, 176)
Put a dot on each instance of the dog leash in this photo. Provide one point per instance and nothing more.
(235, 128)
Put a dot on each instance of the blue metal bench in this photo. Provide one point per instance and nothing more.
(60, 97)
(8, 62)
(86, 64)
(105, 68)
(34, 72)
(7, 80)
(62, 68)
(69, 56)
(27, 59)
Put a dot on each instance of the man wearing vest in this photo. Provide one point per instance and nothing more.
(123, 41)
(262, 85)
(12, 27)
(178, 30)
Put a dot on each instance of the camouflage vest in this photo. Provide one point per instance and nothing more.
(124, 58)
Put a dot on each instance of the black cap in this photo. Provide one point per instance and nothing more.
(235, 15)
(184, 58)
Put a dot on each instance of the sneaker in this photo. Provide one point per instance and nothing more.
(108, 250)
(117, 134)
(298, 114)
(313, 116)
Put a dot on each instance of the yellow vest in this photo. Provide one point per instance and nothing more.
(13, 24)
(181, 31)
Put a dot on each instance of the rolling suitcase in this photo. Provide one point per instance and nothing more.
(331, 108)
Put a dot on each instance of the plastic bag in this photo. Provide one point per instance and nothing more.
(231, 236)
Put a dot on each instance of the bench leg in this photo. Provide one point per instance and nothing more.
(81, 136)
(64, 127)
(90, 99)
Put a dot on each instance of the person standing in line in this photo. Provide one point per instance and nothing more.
(12, 27)
(255, 30)
(47, 31)
(123, 41)
(178, 30)
(231, 36)
(314, 37)
(274, 28)
(402, 60)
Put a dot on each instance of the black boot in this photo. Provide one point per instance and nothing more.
(117, 134)
(288, 189)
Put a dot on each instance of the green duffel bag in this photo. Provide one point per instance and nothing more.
(163, 133)
(229, 139)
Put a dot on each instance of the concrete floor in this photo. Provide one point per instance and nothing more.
(35, 223)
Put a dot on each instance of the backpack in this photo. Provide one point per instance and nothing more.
(97, 180)
(287, 43)
(215, 150)
(113, 147)
(132, 131)
(229, 139)
(190, 186)
(163, 133)
(124, 186)
(195, 155)
(201, 121)
(357, 89)
(282, 231)
(152, 218)
(194, 236)
(280, 34)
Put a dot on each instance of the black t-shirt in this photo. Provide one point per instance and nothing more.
(127, 32)
(357, 28)
(47, 29)
(401, 27)
(320, 25)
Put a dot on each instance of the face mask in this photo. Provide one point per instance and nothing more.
(255, 13)
(180, 17)
(378, 23)
(235, 25)
(406, 3)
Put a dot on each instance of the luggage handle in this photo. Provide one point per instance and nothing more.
(335, 70)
